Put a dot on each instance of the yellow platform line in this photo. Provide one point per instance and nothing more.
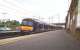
(13, 40)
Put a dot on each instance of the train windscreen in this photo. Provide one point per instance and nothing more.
(29, 23)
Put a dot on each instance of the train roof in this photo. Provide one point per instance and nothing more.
(37, 20)
(31, 19)
(28, 19)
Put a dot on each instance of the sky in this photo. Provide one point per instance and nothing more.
(49, 11)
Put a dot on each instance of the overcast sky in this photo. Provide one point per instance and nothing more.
(55, 10)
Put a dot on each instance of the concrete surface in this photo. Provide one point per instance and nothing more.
(53, 40)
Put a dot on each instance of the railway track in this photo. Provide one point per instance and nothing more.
(10, 34)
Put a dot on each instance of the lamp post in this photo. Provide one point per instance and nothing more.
(4, 13)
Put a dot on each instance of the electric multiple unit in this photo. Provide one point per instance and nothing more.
(32, 25)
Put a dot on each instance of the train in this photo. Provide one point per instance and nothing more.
(30, 25)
